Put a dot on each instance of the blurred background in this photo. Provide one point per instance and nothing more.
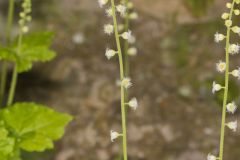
(178, 117)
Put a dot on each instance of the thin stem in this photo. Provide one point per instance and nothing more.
(226, 87)
(8, 40)
(124, 128)
(126, 44)
(10, 20)
(15, 73)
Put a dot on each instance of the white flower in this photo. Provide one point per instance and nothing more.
(237, 12)
(133, 15)
(130, 5)
(216, 87)
(126, 82)
(110, 53)
(236, 73)
(218, 37)
(78, 38)
(126, 35)
(25, 29)
(120, 27)
(132, 39)
(133, 103)
(225, 15)
(234, 49)
(109, 12)
(108, 29)
(236, 29)
(221, 66)
(232, 125)
(121, 9)
(229, 5)
(231, 107)
(228, 23)
(211, 157)
(102, 2)
(132, 51)
(114, 135)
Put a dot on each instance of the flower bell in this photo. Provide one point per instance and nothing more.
(232, 126)
(216, 87)
(133, 103)
(231, 107)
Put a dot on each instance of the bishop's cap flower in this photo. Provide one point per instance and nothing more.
(221, 66)
(232, 125)
(108, 29)
(211, 157)
(126, 82)
(231, 107)
(133, 103)
(216, 87)
(114, 135)
(219, 37)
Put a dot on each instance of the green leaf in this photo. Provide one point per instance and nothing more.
(6, 144)
(36, 125)
(34, 48)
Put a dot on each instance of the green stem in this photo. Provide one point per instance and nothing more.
(8, 40)
(13, 86)
(226, 88)
(15, 73)
(120, 57)
(126, 44)
(10, 20)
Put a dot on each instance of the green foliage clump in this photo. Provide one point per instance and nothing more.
(34, 48)
(198, 7)
(29, 127)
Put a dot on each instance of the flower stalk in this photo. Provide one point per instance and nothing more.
(4, 69)
(23, 28)
(232, 49)
(124, 82)
(225, 97)
(121, 67)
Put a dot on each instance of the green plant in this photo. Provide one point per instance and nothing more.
(27, 126)
(198, 8)
(125, 82)
(224, 67)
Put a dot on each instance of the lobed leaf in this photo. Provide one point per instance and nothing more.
(34, 48)
(36, 125)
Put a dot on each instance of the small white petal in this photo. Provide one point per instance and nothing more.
(126, 83)
(232, 125)
(133, 15)
(133, 103)
(114, 135)
(132, 51)
(234, 49)
(108, 29)
(121, 9)
(102, 2)
(126, 35)
(211, 157)
(231, 107)
(110, 53)
(216, 87)
(221, 66)
(218, 37)
(109, 12)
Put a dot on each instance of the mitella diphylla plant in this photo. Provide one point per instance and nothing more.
(124, 82)
(27, 126)
(224, 67)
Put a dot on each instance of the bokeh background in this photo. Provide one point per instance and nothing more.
(178, 117)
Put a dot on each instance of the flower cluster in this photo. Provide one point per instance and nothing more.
(223, 66)
(25, 16)
(125, 82)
